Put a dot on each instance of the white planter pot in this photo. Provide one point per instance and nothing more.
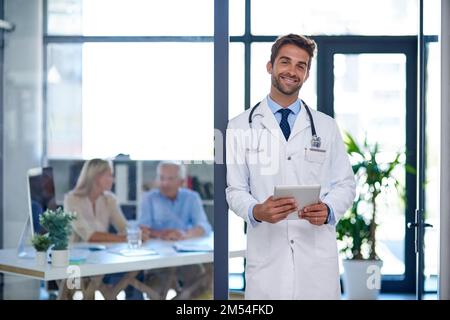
(362, 279)
(41, 258)
(60, 258)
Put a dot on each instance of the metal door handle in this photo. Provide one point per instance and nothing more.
(411, 225)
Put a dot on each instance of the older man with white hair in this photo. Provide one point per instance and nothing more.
(172, 212)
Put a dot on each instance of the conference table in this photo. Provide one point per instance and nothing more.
(89, 263)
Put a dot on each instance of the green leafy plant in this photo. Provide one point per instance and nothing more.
(59, 227)
(357, 229)
(41, 242)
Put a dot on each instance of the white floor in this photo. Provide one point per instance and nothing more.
(383, 296)
(403, 296)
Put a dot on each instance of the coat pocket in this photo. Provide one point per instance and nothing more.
(315, 164)
(325, 241)
(315, 155)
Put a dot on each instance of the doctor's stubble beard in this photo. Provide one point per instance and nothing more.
(277, 84)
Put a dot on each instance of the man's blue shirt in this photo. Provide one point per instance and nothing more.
(183, 213)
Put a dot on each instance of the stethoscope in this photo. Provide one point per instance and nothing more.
(315, 140)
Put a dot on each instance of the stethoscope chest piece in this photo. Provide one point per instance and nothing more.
(315, 141)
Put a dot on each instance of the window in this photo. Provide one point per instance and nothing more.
(329, 17)
(143, 99)
(236, 80)
(64, 100)
(130, 17)
(119, 94)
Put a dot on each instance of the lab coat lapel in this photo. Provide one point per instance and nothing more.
(301, 123)
(269, 121)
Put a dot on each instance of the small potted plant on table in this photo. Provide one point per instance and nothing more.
(59, 227)
(41, 243)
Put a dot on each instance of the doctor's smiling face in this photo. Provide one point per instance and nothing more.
(288, 71)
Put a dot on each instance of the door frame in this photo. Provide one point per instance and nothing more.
(1, 140)
(407, 45)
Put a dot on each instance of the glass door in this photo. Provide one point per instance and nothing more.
(371, 94)
(369, 103)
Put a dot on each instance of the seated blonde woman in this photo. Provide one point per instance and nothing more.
(97, 209)
(96, 206)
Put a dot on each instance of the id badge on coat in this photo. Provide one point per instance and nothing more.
(315, 155)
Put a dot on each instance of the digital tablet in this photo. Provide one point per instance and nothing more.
(304, 195)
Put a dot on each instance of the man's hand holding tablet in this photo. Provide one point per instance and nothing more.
(316, 214)
(308, 201)
(293, 202)
(274, 210)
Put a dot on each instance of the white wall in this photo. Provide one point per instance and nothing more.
(444, 263)
(23, 64)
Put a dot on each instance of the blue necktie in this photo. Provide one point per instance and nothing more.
(284, 124)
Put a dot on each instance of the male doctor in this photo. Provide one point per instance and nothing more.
(286, 258)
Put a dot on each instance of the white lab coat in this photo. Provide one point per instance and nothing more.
(291, 259)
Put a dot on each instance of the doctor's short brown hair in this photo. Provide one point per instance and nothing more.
(303, 42)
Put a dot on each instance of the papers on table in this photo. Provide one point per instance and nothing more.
(194, 245)
(126, 252)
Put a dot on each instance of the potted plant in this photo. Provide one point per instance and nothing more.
(59, 227)
(41, 243)
(357, 229)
